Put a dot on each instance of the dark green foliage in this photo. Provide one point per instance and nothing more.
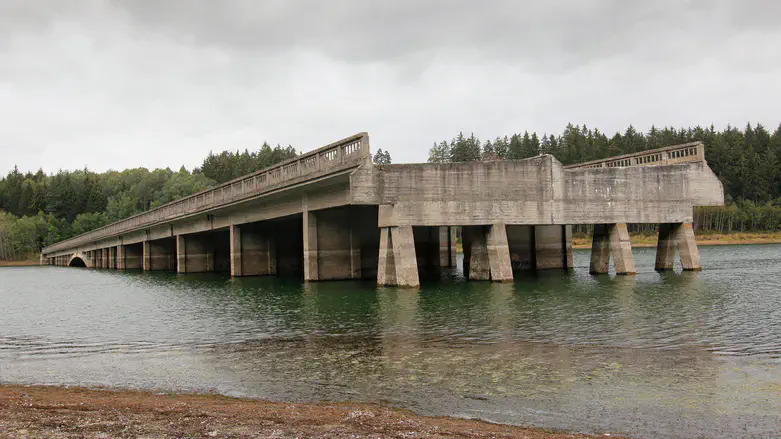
(38, 209)
(228, 165)
(748, 163)
(382, 157)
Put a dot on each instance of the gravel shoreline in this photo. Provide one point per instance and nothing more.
(33, 412)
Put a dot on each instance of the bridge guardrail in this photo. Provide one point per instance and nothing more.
(687, 152)
(351, 150)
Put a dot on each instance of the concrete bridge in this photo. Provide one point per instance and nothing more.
(332, 214)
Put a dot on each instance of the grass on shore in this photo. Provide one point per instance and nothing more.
(22, 263)
(703, 238)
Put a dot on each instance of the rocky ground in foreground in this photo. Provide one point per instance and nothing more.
(54, 412)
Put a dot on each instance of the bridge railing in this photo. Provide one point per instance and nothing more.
(353, 150)
(687, 152)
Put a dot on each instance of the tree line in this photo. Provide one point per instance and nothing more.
(37, 209)
(746, 162)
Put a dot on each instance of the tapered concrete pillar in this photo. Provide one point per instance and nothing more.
(397, 263)
(665, 247)
(404, 256)
(553, 246)
(600, 250)
(611, 239)
(687, 247)
(499, 253)
(479, 264)
(121, 261)
(386, 266)
(146, 257)
(235, 250)
(682, 236)
(105, 254)
(181, 254)
(621, 248)
(311, 271)
(112, 258)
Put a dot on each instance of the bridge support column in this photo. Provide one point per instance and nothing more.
(181, 255)
(611, 239)
(682, 236)
(476, 264)
(121, 262)
(488, 253)
(146, 256)
(553, 247)
(112, 257)
(235, 250)
(311, 271)
(499, 253)
(397, 263)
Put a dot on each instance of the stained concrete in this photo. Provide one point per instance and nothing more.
(333, 215)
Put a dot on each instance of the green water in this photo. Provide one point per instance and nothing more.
(653, 355)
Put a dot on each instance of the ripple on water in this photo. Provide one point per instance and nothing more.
(655, 355)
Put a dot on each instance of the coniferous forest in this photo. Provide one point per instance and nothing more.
(38, 209)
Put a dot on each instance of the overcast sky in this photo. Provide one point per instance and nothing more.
(118, 84)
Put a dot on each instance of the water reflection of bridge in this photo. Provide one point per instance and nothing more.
(332, 214)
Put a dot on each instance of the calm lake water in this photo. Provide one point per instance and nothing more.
(654, 355)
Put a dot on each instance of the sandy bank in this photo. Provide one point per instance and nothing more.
(56, 412)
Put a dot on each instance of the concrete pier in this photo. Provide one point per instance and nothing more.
(398, 263)
(681, 236)
(611, 239)
(331, 214)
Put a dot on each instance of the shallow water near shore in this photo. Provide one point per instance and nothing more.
(653, 355)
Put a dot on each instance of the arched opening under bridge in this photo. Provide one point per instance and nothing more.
(77, 262)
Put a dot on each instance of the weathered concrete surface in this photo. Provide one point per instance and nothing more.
(499, 253)
(398, 263)
(611, 239)
(682, 237)
(535, 191)
(334, 215)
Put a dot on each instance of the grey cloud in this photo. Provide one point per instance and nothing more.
(121, 83)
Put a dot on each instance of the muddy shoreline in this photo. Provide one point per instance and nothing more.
(34, 412)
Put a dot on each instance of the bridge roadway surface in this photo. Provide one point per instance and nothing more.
(332, 214)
